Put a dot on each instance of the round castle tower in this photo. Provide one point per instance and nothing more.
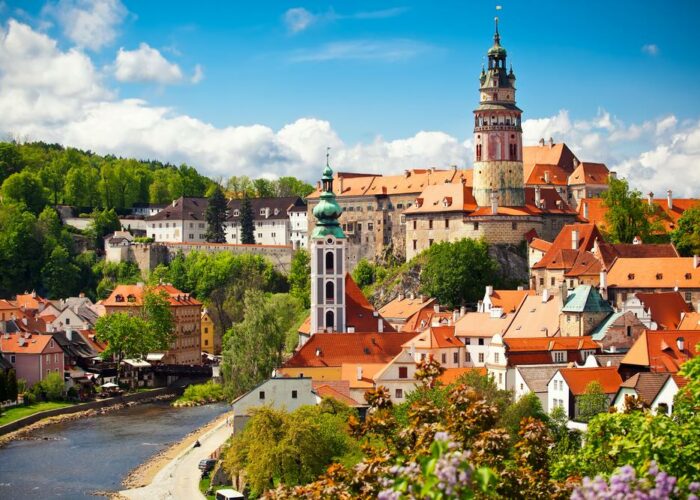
(498, 160)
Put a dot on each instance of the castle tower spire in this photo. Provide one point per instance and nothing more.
(498, 133)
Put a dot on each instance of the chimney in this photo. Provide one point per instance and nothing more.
(680, 342)
(545, 295)
(69, 335)
(407, 173)
(564, 292)
(542, 141)
(585, 210)
(494, 202)
(538, 196)
(696, 261)
(574, 239)
(174, 203)
(359, 373)
(650, 198)
(612, 174)
(318, 352)
(551, 142)
(436, 307)
(462, 311)
(546, 176)
(496, 312)
(455, 316)
(489, 290)
(380, 325)
(669, 199)
(603, 280)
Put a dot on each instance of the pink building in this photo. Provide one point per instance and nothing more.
(32, 356)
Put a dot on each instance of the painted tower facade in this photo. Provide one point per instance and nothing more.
(498, 147)
(328, 248)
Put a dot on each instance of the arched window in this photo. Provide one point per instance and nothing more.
(478, 152)
(330, 320)
(330, 292)
(329, 262)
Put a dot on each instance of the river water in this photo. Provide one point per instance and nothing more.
(93, 454)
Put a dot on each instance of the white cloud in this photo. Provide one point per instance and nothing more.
(367, 50)
(298, 19)
(650, 49)
(198, 74)
(89, 23)
(58, 96)
(146, 64)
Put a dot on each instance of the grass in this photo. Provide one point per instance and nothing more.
(17, 412)
(204, 486)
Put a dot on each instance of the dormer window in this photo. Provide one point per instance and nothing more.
(236, 213)
(262, 211)
(630, 276)
(688, 276)
(119, 298)
(659, 276)
(419, 202)
(130, 298)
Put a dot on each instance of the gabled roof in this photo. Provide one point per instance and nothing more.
(336, 389)
(585, 264)
(536, 344)
(334, 349)
(359, 313)
(368, 372)
(476, 324)
(607, 253)
(658, 350)
(647, 385)
(556, 175)
(669, 216)
(30, 301)
(691, 321)
(509, 300)
(554, 154)
(589, 173)
(585, 298)
(535, 318)
(538, 376)
(444, 198)
(600, 331)
(132, 296)
(184, 208)
(450, 375)
(665, 308)
(11, 343)
(424, 318)
(562, 255)
(402, 308)
(435, 337)
(578, 379)
(654, 273)
(278, 207)
(540, 244)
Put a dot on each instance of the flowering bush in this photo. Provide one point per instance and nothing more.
(445, 473)
(624, 485)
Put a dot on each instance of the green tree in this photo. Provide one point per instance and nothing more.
(363, 274)
(628, 215)
(291, 186)
(21, 251)
(53, 386)
(10, 160)
(247, 224)
(457, 273)
(159, 319)
(82, 186)
(126, 336)
(300, 277)
(103, 223)
(12, 387)
(60, 275)
(527, 406)
(263, 188)
(686, 236)
(24, 187)
(240, 187)
(592, 402)
(216, 217)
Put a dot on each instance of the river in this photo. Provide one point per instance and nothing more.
(93, 454)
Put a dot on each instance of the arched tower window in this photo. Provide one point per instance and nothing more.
(478, 152)
(329, 262)
(330, 292)
(330, 320)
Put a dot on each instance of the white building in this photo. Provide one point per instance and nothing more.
(299, 226)
(655, 389)
(181, 221)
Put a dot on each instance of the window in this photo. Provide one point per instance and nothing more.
(467, 341)
(552, 281)
(430, 242)
(191, 235)
(261, 395)
(688, 296)
(467, 357)
(330, 320)
(206, 329)
(500, 378)
(259, 235)
(455, 357)
(481, 357)
(476, 226)
(206, 342)
(521, 387)
(51, 343)
(495, 357)
(430, 223)
(201, 225)
(403, 372)
(330, 292)
(559, 357)
(399, 393)
(662, 409)
(55, 358)
(478, 152)
(481, 341)
(629, 330)
(415, 224)
(48, 359)
(12, 359)
(370, 226)
(541, 281)
(236, 213)
(294, 394)
(329, 262)
(444, 358)
(415, 244)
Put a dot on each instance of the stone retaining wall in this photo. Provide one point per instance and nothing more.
(94, 405)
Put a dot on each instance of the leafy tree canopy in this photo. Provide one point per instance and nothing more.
(686, 236)
(628, 215)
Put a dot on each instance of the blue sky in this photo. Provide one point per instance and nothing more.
(380, 71)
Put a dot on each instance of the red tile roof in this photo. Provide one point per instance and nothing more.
(509, 300)
(36, 344)
(658, 350)
(334, 349)
(589, 173)
(555, 154)
(665, 308)
(578, 379)
(586, 264)
(532, 344)
(654, 273)
(30, 301)
(607, 253)
(557, 176)
(359, 313)
(336, 389)
(540, 244)
(669, 217)
(132, 296)
(405, 307)
(435, 337)
(450, 375)
(561, 255)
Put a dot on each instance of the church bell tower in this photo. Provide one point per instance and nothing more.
(328, 248)
(498, 145)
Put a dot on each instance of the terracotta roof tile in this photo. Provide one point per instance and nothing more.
(540, 244)
(535, 318)
(589, 173)
(509, 300)
(556, 154)
(132, 296)
(551, 175)
(450, 375)
(578, 379)
(561, 254)
(654, 273)
(665, 308)
(476, 324)
(434, 337)
(11, 343)
(336, 389)
(334, 349)
(658, 350)
(359, 313)
(690, 321)
(404, 307)
(533, 344)
(669, 217)
(646, 384)
(607, 253)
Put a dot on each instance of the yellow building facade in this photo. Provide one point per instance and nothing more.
(208, 345)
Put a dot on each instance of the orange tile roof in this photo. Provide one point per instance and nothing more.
(669, 217)
(412, 181)
(578, 379)
(35, 344)
(424, 317)
(348, 371)
(509, 300)
(450, 375)
(359, 313)
(690, 321)
(557, 154)
(444, 198)
(586, 264)
(533, 344)
(405, 307)
(665, 308)
(476, 324)
(434, 337)
(132, 296)
(7, 305)
(540, 244)
(535, 318)
(336, 389)
(91, 338)
(334, 349)
(589, 173)
(561, 255)
(557, 175)
(607, 253)
(30, 300)
(658, 349)
(655, 273)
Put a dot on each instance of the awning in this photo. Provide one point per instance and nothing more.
(155, 356)
(137, 363)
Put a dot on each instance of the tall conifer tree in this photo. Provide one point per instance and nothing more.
(216, 217)
(247, 225)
